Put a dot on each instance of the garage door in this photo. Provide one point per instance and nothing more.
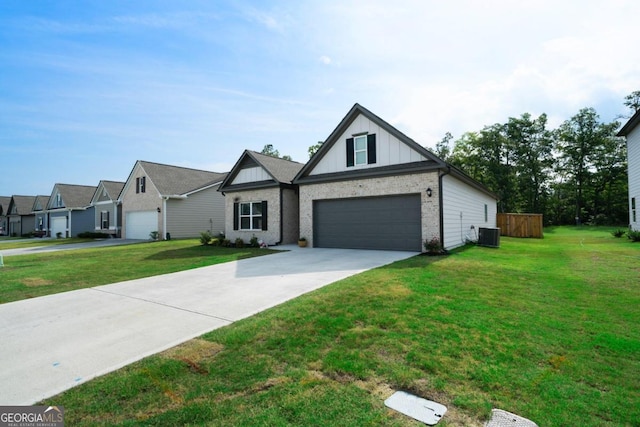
(140, 224)
(390, 223)
(58, 225)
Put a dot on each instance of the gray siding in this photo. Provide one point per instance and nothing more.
(200, 211)
(463, 207)
(82, 221)
(115, 220)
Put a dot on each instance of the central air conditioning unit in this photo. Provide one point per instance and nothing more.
(489, 237)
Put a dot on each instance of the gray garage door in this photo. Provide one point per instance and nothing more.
(390, 223)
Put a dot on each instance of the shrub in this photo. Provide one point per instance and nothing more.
(254, 242)
(433, 246)
(59, 235)
(205, 238)
(239, 243)
(154, 235)
(226, 243)
(633, 235)
(618, 233)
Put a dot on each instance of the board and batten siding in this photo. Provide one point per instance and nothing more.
(462, 207)
(633, 156)
(199, 212)
(389, 149)
(254, 174)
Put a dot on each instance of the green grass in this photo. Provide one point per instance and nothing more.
(547, 329)
(28, 276)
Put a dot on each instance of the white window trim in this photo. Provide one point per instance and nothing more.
(362, 150)
(251, 216)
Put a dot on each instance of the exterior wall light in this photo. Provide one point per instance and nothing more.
(429, 192)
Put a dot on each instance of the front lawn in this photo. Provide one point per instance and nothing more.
(18, 243)
(547, 329)
(28, 276)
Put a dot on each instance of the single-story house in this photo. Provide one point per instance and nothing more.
(42, 217)
(631, 131)
(172, 201)
(369, 186)
(20, 218)
(4, 208)
(70, 211)
(107, 209)
(261, 200)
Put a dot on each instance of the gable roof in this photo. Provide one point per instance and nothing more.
(23, 204)
(113, 189)
(281, 171)
(73, 196)
(630, 125)
(433, 161)
(44, 202)
(177, 180)
(4, 204)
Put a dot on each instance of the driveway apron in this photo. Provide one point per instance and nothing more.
(52, 343)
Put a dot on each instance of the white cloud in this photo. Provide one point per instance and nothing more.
(325, 60)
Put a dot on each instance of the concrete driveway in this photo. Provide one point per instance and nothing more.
(67, 246)
(52, 343)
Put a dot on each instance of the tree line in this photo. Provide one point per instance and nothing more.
(574, 174)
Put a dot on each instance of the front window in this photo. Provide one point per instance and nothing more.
(251, 216)
(104, 220)
(360, 145)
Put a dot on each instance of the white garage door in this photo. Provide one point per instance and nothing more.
(140, 224)
(58, 225)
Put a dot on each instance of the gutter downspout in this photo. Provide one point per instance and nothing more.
(281, 216)
(441, 202)
(164, 217)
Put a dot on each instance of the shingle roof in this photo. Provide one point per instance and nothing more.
(113, 188)
(76, 196)
(176, 180)
(4, 204)
(23, 204)
(282, 170)
(44, 201)
(630, 125)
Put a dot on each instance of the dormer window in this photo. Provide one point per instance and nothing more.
(361, 150)
(58, 201)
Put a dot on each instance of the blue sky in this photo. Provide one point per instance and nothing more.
(87, 88)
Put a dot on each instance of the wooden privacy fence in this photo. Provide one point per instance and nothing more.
(520, 225)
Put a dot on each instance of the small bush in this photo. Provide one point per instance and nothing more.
(226, 243)
(433, 246)
(618, 233)
(239, 243)
(633, 235)
(254, 242)
(205, 238)
(59, 235)
(154, 235)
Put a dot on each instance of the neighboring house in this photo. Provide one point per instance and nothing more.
(261, 200)
(370, 186)
(4, 208)
(39, 209)
(20, 218)
(108, 211)
(631, 131)
(184, 199)
(70, 211)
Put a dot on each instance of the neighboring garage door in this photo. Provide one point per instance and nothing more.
(389, 222)
(58, 225)
(140, 224)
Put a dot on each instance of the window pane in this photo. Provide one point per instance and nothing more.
(257, 208)
(257, 223)
(245, 223)
(245, 209)
(361, 158)
(361, 143)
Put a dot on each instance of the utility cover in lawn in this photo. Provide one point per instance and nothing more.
(424, 410)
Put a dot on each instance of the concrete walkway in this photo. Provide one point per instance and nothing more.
(52, 343)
